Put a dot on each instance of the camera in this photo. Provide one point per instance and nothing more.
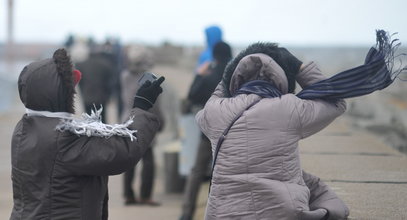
(147, 77)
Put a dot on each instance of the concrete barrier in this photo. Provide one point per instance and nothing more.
(8, 92)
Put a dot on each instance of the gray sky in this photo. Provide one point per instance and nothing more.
(293, 22)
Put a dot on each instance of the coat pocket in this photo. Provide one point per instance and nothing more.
(299, 196)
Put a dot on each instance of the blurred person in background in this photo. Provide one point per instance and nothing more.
(140, 61)
(70, 40)
(115, 48)
(191, 136)
(200, 91)
(213, 34)
(78, 48)
(58, 170)
(98, 72)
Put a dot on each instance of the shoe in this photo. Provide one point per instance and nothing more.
(149, 202)
(131, 201)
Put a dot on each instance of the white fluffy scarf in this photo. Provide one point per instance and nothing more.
(89, 125)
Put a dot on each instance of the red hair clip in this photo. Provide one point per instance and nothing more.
(77, 75)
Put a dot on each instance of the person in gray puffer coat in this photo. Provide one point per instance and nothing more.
(59, 174)
(257, 174)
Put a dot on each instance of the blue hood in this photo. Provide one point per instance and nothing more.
(213, 36)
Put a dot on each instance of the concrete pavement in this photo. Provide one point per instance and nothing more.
(368, 175)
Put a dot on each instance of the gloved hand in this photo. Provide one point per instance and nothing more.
(147, 94)
(288, 61)
(318, 214)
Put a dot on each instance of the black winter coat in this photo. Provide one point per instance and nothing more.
(203, 86)
(60, 175)
(98, 78)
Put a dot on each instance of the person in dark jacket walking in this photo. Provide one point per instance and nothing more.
(97, 80)
(201, 90)
(140, 60)
(60, 165)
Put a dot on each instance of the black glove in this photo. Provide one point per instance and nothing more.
(289, 62)
(313, 215)
(147, 94)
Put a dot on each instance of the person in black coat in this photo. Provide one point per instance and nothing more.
(202, 87)
(59, 171)
(208, 77)
(96, 84)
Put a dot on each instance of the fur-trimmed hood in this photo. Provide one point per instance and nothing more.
(48, 85)
(258, 66)
(269, 49)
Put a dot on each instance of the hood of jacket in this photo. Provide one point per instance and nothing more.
(268, 48)
(213, 35)
(48, 85)
(258, 66)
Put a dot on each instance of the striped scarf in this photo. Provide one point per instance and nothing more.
(261, 88)
(376, 73)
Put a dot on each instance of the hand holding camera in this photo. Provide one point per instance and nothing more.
(148, 92)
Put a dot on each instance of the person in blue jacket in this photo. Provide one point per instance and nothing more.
(213, 35)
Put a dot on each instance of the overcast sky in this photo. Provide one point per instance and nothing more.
(293, 22)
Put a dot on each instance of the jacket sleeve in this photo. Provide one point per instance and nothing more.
(315, 114)
(107, 156)
(201, 116)
(209, 120)
(323, 197)
(219, 92)
(156, 109)
(309, 74)
(195, 91)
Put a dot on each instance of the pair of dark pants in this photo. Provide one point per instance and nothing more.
(196, 177)
(147, 177)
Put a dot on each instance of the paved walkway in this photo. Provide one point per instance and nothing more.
(368, 175)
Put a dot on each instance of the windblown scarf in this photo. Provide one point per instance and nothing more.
(92, 125)
(375, 74)
(261, 88)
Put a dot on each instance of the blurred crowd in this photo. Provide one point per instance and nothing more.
(101, 66)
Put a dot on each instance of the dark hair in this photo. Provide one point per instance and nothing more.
(64, 69)
(270, 49)
(222, 52)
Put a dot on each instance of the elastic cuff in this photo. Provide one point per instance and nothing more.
(142, 103)
(141, 97)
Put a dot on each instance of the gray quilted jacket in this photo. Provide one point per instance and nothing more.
(258, 173)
